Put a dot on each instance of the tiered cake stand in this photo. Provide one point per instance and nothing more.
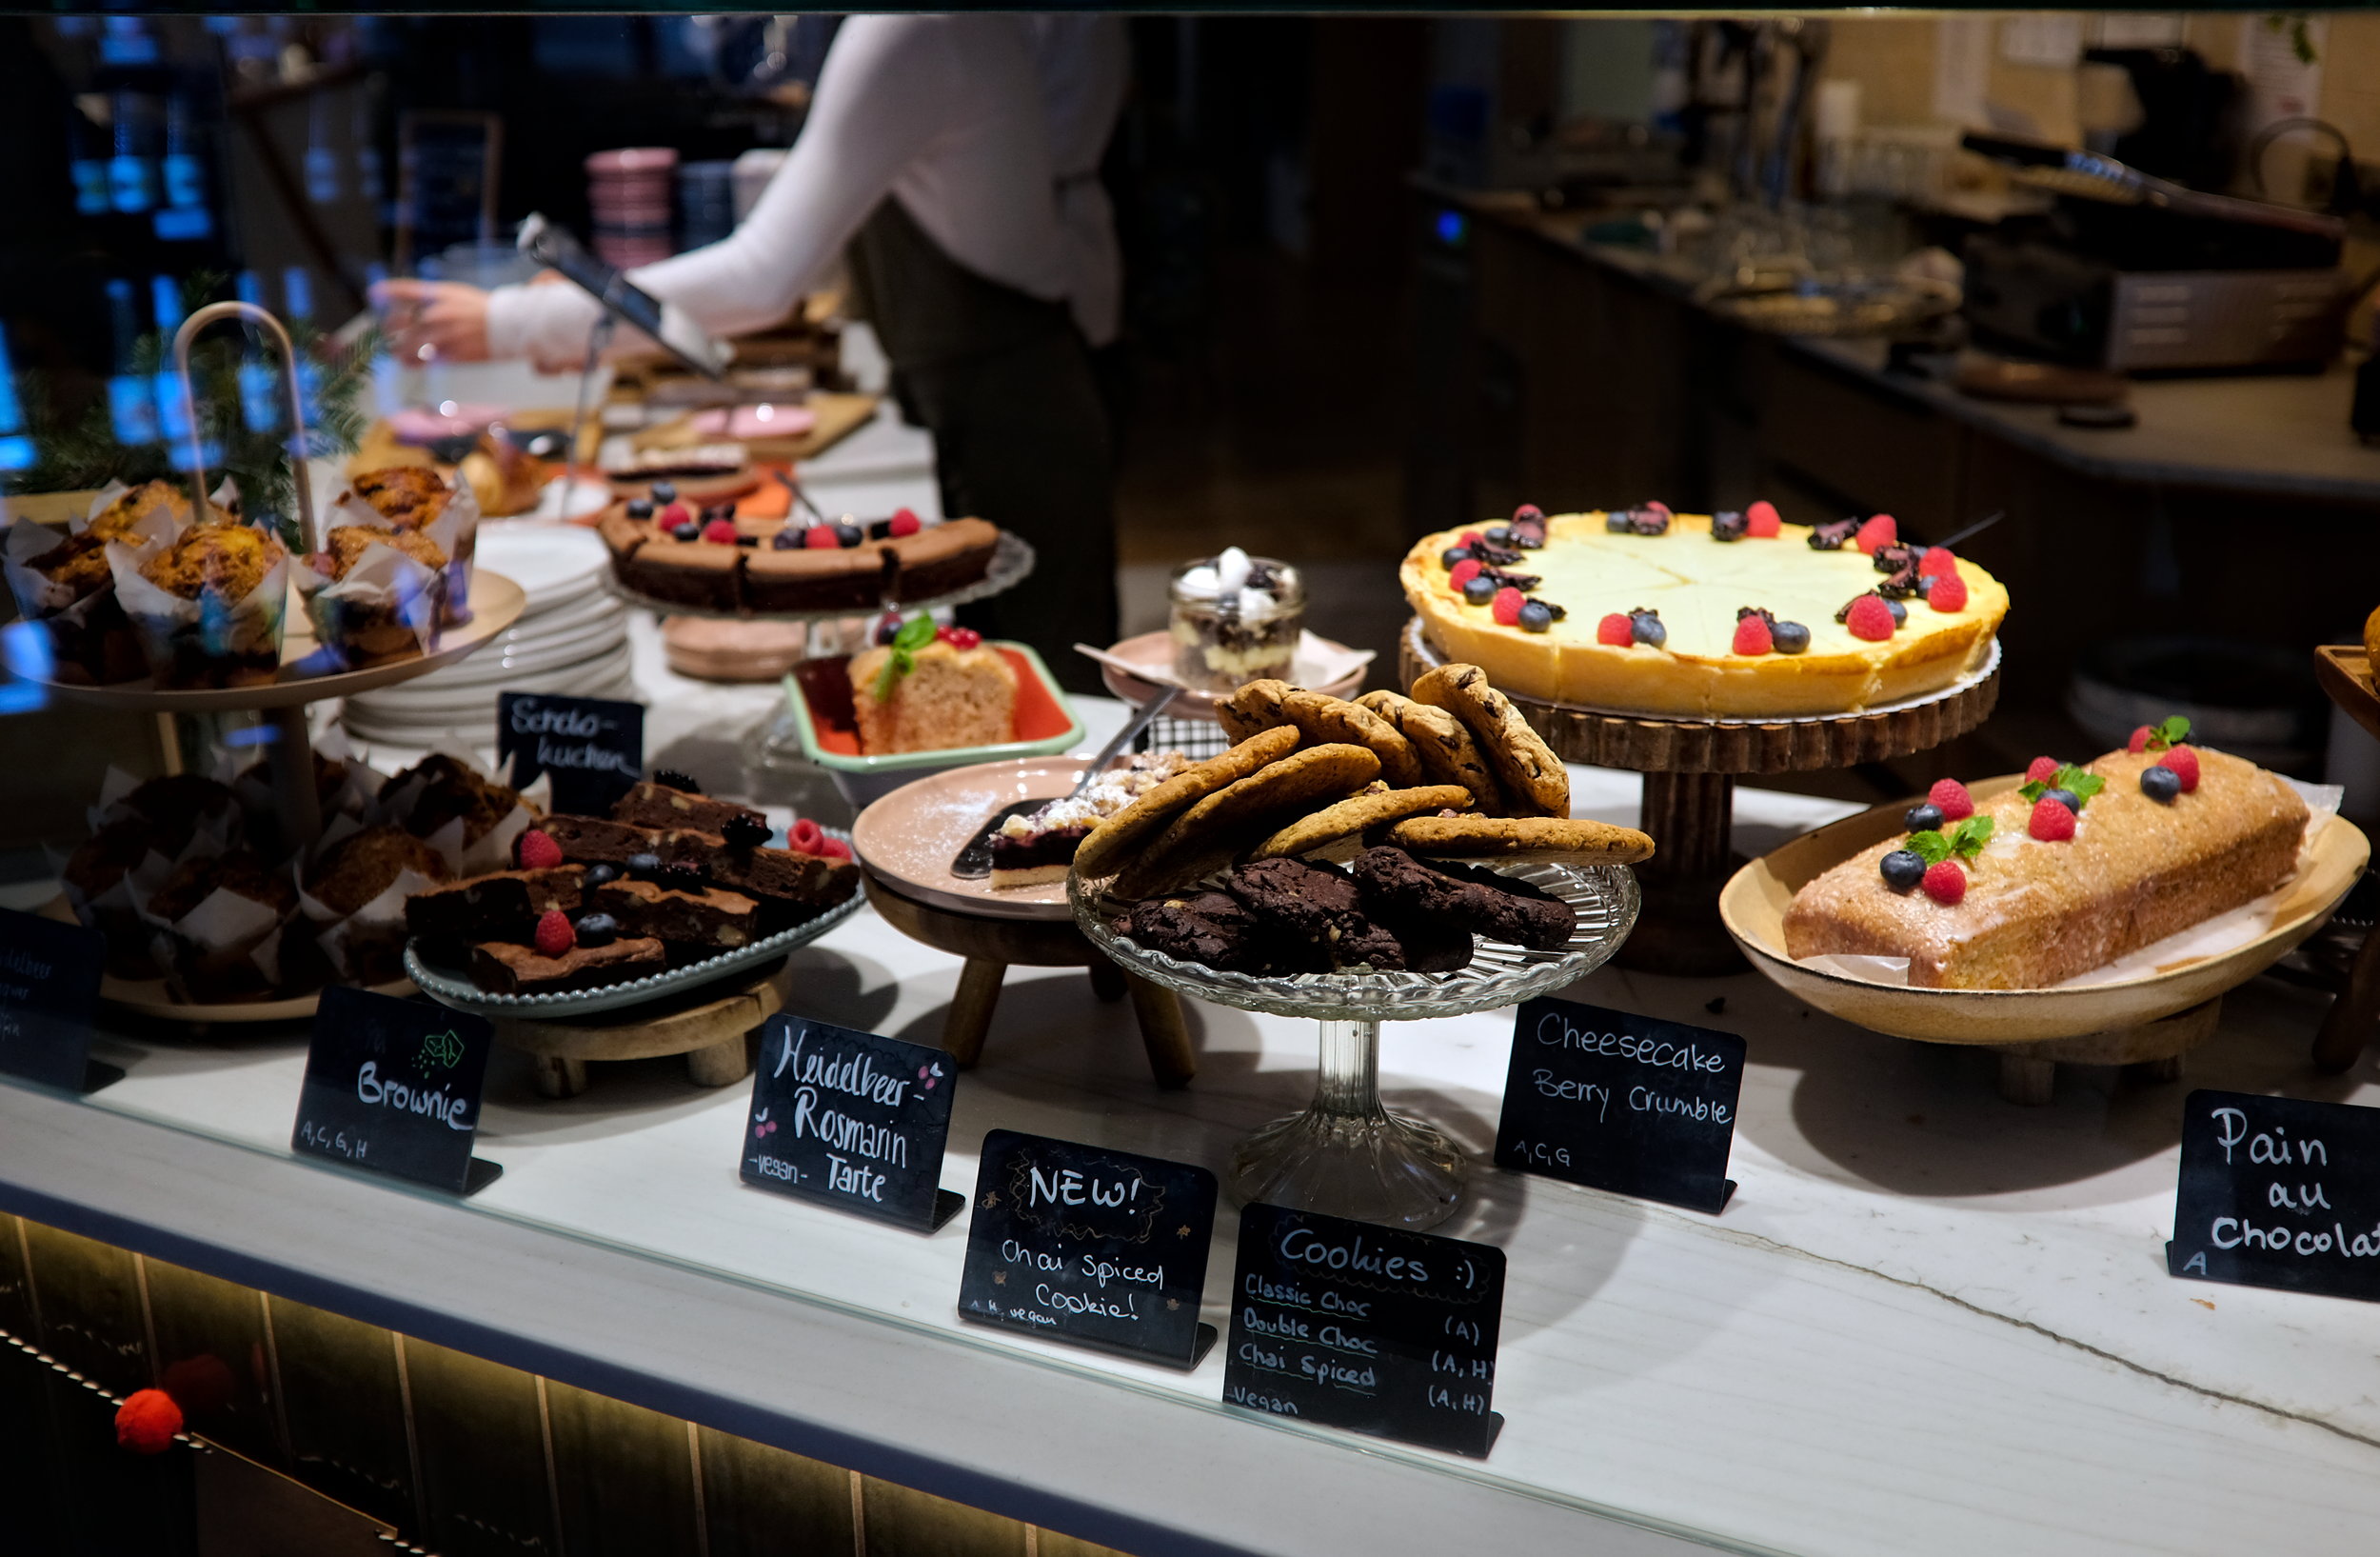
(1346, 1154)
(1689, 768)
(2346, 673)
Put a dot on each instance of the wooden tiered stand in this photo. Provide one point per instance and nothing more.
(1689, 768)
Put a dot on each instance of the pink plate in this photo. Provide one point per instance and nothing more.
(911, 837)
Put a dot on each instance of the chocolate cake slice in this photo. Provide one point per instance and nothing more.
(505, 969)
(589, 840)
(654, 804)
(502, 904)
(710, 917)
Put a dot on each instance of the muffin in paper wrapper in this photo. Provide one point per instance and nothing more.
(455, 531)
(465, 856)
(90, 640)
(387, 608)
(208, 641)
(344, 784)
(227, 948)
(365, 948)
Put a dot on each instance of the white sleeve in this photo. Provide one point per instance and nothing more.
(886, 90)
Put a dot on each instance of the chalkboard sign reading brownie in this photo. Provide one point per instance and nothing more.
(393, 1086)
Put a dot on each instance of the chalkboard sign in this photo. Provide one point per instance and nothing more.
(593, 746)
(49, 987)
(1090, 1245)
(2278, 1192)
(392, 1087)
(851, 1120)
(1630, 1104)
(1370, 1329)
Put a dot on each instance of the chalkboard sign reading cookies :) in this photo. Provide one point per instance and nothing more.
(392, 1087)
(594, 747)
(1630, 1104)
(2278, 1192)
(1370, 1329)
(851, 1120)
(49, 987)
(1084, 1244)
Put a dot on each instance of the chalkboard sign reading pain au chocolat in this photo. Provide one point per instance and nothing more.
(2278, 1192)
(393, 1086)
(1083, 1244)
(852, 1120)
(1370, 1329)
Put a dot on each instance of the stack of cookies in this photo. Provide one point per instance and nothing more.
(1235, 863)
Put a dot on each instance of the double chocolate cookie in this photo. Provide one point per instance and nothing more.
(1501, 907)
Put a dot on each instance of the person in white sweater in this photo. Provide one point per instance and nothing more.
(954, 161)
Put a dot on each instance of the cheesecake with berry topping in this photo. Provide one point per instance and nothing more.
(1732, 615)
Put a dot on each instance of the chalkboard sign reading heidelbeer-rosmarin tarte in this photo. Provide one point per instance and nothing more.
(852, 1120)
(2278, 1192)
(1371, 1328)
(393, 1086)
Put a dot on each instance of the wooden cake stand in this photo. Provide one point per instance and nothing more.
(1689, 768)
(711, 1026)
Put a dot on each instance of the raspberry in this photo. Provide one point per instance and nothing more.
(1752, 635)
(1948, 594)
(2041, 770)
(2140, 739)
(554, 934)
(674, 515)
(1762, 520)
(803, 837)
(720, 531)
(834, 849)
(905, 522)
(2050, 822)
(2184, 762)
(1616, 629)
(1881, 531)
(1506, 606)
(1472, 537)
(822, 538)
(534, 850)
(963, 639)
(1463, 573)
(1937, 560)
(1654, 505)
(1869, 618)
(1528, 513)
(1951, 798)
(1944, 882)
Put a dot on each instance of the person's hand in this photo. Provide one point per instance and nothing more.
(431, 321)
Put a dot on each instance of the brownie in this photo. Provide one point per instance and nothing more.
(1208, 928)
(587, 840)
(505, 969)
(651, 804)
(791, 887)
(1400, 888)
(502, 902)
(801, 578)
(942, 557)
(703, 916)
(685, 573)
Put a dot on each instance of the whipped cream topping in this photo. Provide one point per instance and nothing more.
(1107, 794)
(1237, 582)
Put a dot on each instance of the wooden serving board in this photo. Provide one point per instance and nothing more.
(838, 415)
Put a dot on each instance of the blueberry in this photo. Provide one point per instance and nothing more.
(2160, 783)
(887, 628)
(1617, 522)
(787, 539)
(1648, 628)
(1536, 616)
(640, 507)
(643, 866)
(687, 531)
(1789, 637)
(1529, 537)
(1903, 868)
(2064, 797)
(1479, 589)
(1924, 818)
(848, 536)
(1453, 554)
(1499, 534)
(665, 491)
(1728, 526)
(601, 872)
(597, 929)
(1900, 613)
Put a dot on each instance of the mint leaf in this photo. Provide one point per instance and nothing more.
(2034, 790)
(915, 633)
(2173, 731)
(1929, 846)
(1967, 838)
(2086, 785)
(897, 663)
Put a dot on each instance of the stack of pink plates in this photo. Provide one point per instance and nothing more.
(631, 192)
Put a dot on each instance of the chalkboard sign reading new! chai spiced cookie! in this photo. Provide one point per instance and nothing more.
(852, 1120)
(2278, 1192)
(1085, 1243)
(393, 1086)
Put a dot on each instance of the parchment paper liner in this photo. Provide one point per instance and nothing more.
(91, 639)
(208, 641)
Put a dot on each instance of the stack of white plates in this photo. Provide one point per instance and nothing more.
(572, 639)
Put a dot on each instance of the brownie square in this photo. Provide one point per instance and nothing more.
(708, 917)
(507, 969)
(506, 903)
(587, 840)
(783, 873)
(651, 804)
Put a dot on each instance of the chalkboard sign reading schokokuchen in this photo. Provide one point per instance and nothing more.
(594, 747)
(49, 987)
(1630, 1104)
(1084, 1244)
(2278, 1192)
(851, 1120)
(392, 1087)
(1370, 1329)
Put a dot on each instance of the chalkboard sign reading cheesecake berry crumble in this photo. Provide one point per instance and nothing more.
(1371, 1328)
(393, 1086)
(852, 1120)
(2278, 1192)
(49, 987)
(1084, 1244)
(1630, 1104)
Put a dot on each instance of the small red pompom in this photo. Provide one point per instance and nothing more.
(2051, 821)
(804, 837)
(822, 538)
(147, 1421)
(535, 851)
(1753, 636)
(2041, 770)
(1944, 882)
(1951, 798)
(1869, 618)
(1762, 521)
(1948, 594)
(1883, 529)
(1937, 561)
(719, 533)
(905, 521)
(554, 934)
(1505, 608)
(1463, 573)
(1616, 631)
(2185, 764)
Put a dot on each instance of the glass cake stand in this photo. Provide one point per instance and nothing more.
(1346, 1154)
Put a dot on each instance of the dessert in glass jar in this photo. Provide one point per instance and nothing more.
(1236, 619)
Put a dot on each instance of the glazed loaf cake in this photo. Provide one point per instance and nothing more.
(2036, 912)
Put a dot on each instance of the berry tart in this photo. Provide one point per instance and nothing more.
(1037, 848)
(1728, 615)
